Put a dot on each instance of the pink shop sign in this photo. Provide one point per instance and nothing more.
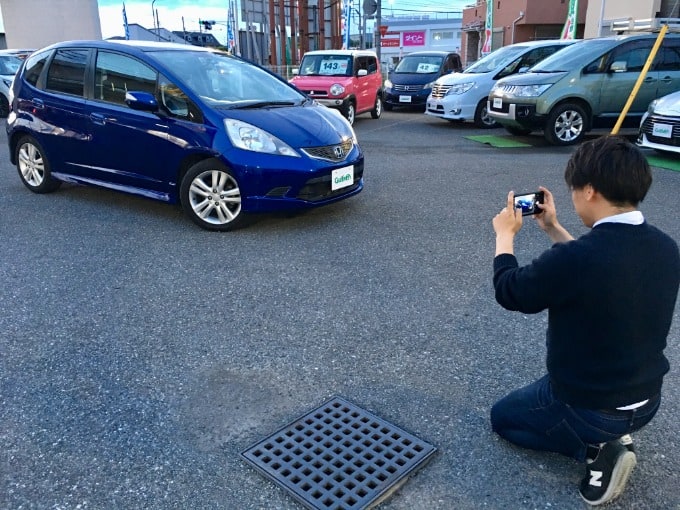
(414, 38)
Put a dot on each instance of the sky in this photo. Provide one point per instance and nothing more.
(171, 12)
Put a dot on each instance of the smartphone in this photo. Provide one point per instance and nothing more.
(527, 202)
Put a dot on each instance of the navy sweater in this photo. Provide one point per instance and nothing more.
(610, 297)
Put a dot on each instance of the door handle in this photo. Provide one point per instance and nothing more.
(38, 104)
(100, 119)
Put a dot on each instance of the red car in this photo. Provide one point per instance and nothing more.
(349, 80)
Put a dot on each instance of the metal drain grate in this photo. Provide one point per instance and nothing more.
(339, 457)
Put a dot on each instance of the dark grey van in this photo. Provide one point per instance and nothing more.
(412, 80)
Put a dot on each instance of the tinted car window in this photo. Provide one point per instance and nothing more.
(366, 63)
(116, 74)
(34, 66)
(634, 54)
(669, 57)
(67, 72)
(176, 103)
(536, 55)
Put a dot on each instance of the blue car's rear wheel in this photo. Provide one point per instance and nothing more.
(211, 197)
(33, 166)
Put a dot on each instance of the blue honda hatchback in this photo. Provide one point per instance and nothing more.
(177, 123)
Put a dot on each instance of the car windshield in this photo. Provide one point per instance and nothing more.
(326, 65)
(573, 56)
(9, 64)
(499, 58)
(222, 80)
(419, 64)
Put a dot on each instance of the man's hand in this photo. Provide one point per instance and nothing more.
(506, 224)
(547, 219)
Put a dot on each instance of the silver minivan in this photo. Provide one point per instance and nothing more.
(586, 86)
(463, 96)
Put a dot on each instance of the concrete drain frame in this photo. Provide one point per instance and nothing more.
(339, 457)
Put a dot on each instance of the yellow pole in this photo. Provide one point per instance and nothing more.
(640, 79)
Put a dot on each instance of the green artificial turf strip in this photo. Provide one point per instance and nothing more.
(497, 141)
(668, 162)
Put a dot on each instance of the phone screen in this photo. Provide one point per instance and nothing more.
(527, 202)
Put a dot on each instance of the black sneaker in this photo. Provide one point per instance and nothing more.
(607, 475)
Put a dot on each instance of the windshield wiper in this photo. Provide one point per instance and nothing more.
(263, 104)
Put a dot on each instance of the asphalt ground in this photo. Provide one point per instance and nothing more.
(140, 355)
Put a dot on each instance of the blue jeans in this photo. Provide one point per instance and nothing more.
(531, 417)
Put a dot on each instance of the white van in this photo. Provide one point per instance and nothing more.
(463, 96)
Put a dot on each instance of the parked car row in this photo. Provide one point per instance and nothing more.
(585, 86)
(568, 89)
(463, 96)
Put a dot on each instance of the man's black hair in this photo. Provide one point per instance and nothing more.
(613, 166)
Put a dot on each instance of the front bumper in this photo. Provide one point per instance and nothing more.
(333, 103)
(450, 108)
(394, 97)
(651, 135)
(311, 189)
(521, 115)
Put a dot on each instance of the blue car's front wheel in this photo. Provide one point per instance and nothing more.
(211, 197)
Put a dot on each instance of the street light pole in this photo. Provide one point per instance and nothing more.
(153, 17)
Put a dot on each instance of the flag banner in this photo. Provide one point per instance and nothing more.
(231, 43)
(569, 30)
(488, 28)
(125, 23)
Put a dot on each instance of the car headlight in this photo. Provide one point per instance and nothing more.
(248, 137)
(652, 106)
(388, 84)
(337, 89)
(461, 88)
(530, 90)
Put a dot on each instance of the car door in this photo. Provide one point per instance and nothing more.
(364, 93)
(60, 121)
(129, 148)
(621, 72)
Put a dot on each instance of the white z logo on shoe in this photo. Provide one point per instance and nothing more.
(596, 478)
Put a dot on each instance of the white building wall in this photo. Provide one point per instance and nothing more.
(616, 9)
(38, 23)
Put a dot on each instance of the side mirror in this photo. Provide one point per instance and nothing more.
(141, 101)
(618, 67)
(362, 72)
